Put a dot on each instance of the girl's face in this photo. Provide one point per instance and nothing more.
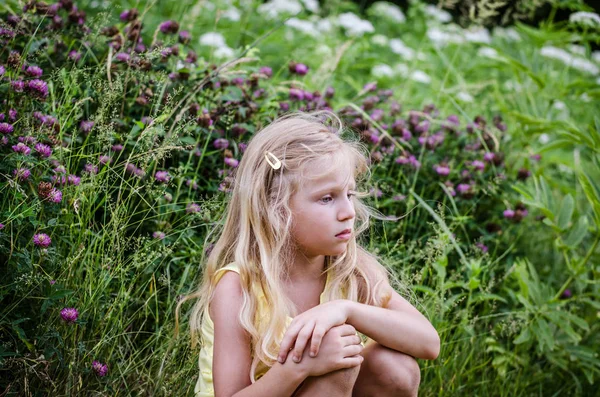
(321, 210)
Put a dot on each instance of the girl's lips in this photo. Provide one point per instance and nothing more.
(344, 236)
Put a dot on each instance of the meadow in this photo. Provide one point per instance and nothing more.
(121, 124)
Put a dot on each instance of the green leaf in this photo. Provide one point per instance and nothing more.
(21, 334)
(577, 233)
(544, 334)
(566, 212)
(523, 337)
(592, 193)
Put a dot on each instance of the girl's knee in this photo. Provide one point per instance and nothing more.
(398, 372)
(344, 379)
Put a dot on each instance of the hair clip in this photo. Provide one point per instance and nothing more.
(277, 163)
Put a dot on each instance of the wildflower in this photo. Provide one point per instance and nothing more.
(370, 87)
(21, 148)
(482, 247)
(17, 85)
(566, 294)
(184, 37)
(169, 27)
(478, 165)
(243, 147)
(104, 159)
(162, 176)
(2, 70)
(267, 71)
(158, 235)
(192, 208)
(42, 240)
(90, 168)
(140, 173)
(438, 14)
(43, 150)
(489, 156)
(191, 183)
(221, 143)
(6, 128)
(86, 125)
(52, 282)
(34, 71)
(74, 180)
(509, 214)
(284, 106)
(536, 157)
(129, 15)
(296, 94)
(117, 148)
(59, 179)
(21, 174)
(230, 161)
(55, 195)
(122, 57)
(523, 174)
(443, 170)
(38, 88)
(329, 92)
(585, 18)
(74, 55)
(69, 314)
(1, 226)
(353, 25)
(168, 197)
(300, 69)
(463, 188)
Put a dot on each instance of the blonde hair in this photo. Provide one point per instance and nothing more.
(258, 219)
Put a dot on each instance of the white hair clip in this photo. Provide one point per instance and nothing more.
(277, 164)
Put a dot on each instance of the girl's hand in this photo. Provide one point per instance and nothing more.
(314, 322)
(340, 349)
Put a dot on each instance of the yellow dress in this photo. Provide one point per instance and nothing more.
(204, 386)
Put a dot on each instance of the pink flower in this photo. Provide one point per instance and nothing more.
(69, 314)
(43, 150)
(442, 169)
(99, 368)
(230, 161)
(508, 213)
(158, 235)
(192, 208)
(21, 174)
(42, 240)
(162, 176)
(21, 148)
(55, 195)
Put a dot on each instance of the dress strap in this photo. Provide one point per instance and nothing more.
(220, 272)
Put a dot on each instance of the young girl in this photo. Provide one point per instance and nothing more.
(287, 287)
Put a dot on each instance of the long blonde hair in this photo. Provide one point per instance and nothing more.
(258, 219)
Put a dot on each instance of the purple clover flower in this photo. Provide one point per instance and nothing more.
(184, 37)
(39, 88)
(117, 148)
(34, 71)
(43, 150)
(74, 55)
(267, 71)
(60, 170)
(86, 125)
(2, 70)
(158, 235)
(301, 69)
(169, 27)
(90, 168)
(104, 159)
(6, 128)
(1, 226)
(482, 247)
(69, 314)
(489, 156)
(21, 174)
(74, 180)
(21, 148)
(221, 143)
(122, 57)
(59, 179)
(463, 188)
(42, 240)
(230, 161)
(99, 368)
(443, 170)
(370, 87)
(566, 294)
(192, 208)
(243, 147)
(192, 183)
(508, 213)
(17, 85)
(162, 176)
(296, 94)
(12, 115)
(55, 195)
(478, 165)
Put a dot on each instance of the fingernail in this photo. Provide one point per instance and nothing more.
(280, 359)
(296, 358)
(312, 354)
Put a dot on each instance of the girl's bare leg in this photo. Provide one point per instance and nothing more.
(334, 384)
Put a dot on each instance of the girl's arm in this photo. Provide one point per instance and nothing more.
(231, 351)
(399, 326)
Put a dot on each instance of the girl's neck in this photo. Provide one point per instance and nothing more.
(306, 269)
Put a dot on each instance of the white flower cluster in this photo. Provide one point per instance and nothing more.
(585, 18)
(353, 25)
(391, 11)
(453, 33)
(401, 69)
(569, 59)
(273, 8)
(507, 33)
(313, 27)
(438, 14)
(217, 41)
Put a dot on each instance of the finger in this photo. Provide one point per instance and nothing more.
(351, 340)
(317, 338)
(353, 361)
(352, 350)
(302, 340)
(288, 340)
(347, 329)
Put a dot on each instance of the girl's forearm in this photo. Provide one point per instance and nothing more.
(401, 331)
(281, 380)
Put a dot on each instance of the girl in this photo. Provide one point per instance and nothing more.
(287, 286)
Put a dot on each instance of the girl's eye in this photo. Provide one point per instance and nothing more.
(349, 196)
